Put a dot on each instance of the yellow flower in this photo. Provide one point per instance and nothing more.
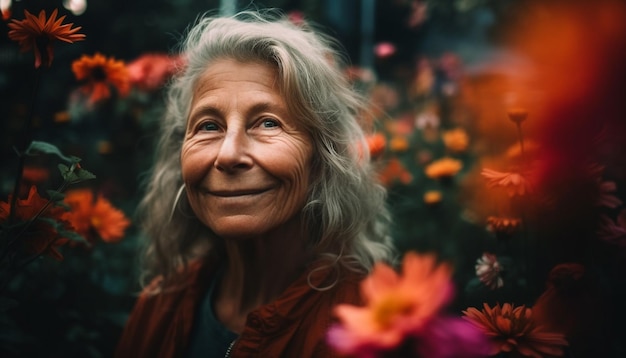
(39, 33)
(456, 140)
(443, 168)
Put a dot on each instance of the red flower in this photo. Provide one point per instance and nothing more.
(150, 71)
(101, 74)
(40, 236)
(376, 143)
(39, 33)
(512, 329)
(91, 215)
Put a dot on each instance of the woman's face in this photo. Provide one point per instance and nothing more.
(245, 160)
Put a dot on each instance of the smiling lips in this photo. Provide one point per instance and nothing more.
(236, 193)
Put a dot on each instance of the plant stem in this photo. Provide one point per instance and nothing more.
(22, 144)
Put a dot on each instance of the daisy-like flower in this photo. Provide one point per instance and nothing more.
(91, 215)
(503, 226)
(443, 168)
(512, 329)
(488, 271)
(456, 140)
(397, 305)
(39, 33)
(40, 236)
(394, 171)
(100, 75)
(514, 183)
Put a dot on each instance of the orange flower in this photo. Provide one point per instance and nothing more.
(40, 236)
(396, 305)
(399, 144)
(432, 197)
(39, 33)
(100, 74)
(512, 329)
(456, 140)
(95, 215)
(514, 183)
(503, 227)
(395, 171)
(443, 168)
(376, 143)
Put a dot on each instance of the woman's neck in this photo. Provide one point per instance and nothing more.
(257, 271)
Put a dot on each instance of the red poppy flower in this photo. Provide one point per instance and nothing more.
(39, 33)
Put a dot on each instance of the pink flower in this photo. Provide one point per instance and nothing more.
(384, 49)
(488, 271)
(397, 306)
(150, 71)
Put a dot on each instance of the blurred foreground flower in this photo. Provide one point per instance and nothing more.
(39, 33)
(401, 315)
(514, 183)
(91, 215)
(488, 271)
(513, 330)
(36, 227)
(443, 168)
(101, 74)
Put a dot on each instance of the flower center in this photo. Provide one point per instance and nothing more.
(389, 308)
(96, 222)
(98, 74)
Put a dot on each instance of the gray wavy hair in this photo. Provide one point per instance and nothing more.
(345, 217)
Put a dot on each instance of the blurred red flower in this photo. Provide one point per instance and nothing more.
(100, 75)
(150, 71)
(39, 33)
(91, 215)
(394, 171)
(40, 236)
(376, 143)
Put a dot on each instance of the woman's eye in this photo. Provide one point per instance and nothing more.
(209, 126)
(269, 123)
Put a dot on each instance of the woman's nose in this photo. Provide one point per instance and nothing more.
(233, 152)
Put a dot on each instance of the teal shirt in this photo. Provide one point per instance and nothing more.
(209, 337)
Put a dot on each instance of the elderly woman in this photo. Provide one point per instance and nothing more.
(262, 210)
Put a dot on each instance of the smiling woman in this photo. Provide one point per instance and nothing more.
(262, 212)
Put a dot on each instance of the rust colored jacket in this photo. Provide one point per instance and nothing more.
(294, 325)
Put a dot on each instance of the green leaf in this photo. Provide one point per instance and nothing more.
(55, 196)
(36, 147)
(75, 174)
